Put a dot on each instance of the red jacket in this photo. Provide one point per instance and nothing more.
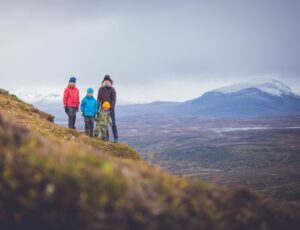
(71, 97)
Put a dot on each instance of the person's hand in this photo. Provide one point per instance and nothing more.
(82, 114)
(66, 109)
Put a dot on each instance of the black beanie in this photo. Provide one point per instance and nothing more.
(107, 78)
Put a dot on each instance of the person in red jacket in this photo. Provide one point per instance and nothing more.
(71, 102)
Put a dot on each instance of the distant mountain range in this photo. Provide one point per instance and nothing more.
(51, 98)
(39, 97)
(259, 97)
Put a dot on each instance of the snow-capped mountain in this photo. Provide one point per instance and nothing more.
(269, 86)
(39, 97)
(259, 97)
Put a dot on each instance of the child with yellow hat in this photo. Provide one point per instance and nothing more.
(103, 120)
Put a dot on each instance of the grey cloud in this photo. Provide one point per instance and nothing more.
(148, 43)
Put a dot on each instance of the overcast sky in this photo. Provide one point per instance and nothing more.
(153, 50)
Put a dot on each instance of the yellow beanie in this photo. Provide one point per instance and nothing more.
(106, 105)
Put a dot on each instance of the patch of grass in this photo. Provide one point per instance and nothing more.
(25, 114)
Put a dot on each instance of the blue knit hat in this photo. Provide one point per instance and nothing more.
(72, 79)
(90, 90)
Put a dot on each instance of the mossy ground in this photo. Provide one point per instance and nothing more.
(47, 182)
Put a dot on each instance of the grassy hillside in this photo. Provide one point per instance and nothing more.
(54, 178)
(18, 112)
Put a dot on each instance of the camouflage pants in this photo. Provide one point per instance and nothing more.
(89, 126)
(71, 112)
(102, 129)
(104, 119)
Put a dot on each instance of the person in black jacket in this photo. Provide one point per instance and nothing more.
(108, 93)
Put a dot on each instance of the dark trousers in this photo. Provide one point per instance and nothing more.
(89, 126)
(114, 125)
(71, 112)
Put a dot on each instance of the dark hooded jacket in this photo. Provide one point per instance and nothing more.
(107, 93)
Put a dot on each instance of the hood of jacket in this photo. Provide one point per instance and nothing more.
(106, 83)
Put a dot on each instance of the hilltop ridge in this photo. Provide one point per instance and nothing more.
(27, 115)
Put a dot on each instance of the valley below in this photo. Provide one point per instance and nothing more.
(261, 154)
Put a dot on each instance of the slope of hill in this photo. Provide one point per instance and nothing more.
(25, 114)
(55, 178)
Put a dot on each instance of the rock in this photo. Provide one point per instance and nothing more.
(3, 91)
